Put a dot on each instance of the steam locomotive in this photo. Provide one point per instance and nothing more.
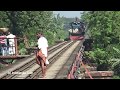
(77, 30)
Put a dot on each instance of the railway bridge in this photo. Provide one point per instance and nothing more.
(66, 62)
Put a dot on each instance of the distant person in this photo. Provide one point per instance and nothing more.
(11, 41)
(3, 44)
(42, 52)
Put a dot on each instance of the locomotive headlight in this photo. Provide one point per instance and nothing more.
(75, 30)
(70, 30)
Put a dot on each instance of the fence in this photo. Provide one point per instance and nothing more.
(76, 64)
(8, 46)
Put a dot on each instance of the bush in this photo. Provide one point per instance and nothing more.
(103, 67)
(100, 57)
(116, 77)
(22, 51)
(33, 43)
(116, 67)
(98, 54)
(50, 37)
(90, 55)
(61, 35)
(113, 50)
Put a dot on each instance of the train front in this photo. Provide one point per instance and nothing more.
(76, 32)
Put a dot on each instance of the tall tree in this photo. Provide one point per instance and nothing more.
(104, 30)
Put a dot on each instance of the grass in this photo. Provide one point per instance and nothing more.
(116, 77)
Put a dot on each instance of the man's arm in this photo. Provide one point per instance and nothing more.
(47, 51)
(39, 44)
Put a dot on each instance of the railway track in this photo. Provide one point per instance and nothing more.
(66, 68)
(24, 63)
(52, 59)
(53, 71)
(32, 67)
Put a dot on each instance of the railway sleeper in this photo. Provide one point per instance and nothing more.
(68, 65)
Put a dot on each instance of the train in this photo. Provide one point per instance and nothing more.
(77, 30)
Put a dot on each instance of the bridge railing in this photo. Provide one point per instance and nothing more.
(8, 47)
(76, 64)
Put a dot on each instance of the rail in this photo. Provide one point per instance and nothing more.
(28, 62)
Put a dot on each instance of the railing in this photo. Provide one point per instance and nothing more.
(76, 64)
(8, 47)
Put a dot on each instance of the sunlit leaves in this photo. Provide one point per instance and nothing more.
(104, 28)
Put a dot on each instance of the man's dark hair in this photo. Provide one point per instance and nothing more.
(39, 33)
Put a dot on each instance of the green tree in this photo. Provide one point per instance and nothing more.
(103, 28)
(28, 23)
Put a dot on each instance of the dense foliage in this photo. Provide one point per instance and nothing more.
(25, 24)
(104, 29)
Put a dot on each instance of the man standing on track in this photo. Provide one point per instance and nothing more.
(42, 52)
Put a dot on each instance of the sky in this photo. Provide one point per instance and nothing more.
(68, 14)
